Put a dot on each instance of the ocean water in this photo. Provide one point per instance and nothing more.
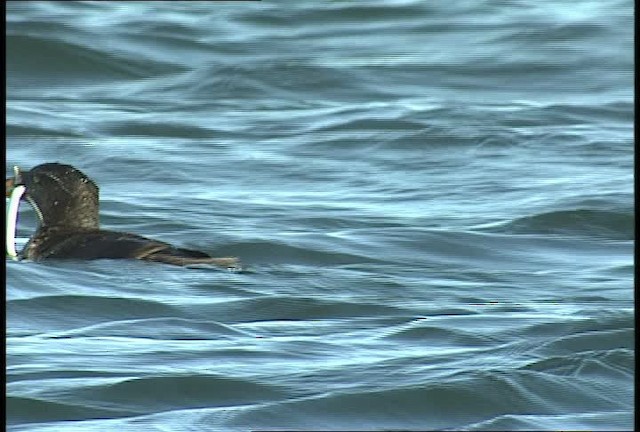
(433, 202)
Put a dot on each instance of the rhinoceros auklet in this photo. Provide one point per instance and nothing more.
(66, 203)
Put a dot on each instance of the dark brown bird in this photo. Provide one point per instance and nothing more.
(67, 204)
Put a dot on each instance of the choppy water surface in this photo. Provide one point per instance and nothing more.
(433, 200)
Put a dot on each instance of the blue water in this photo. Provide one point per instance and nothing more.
(433, 202)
